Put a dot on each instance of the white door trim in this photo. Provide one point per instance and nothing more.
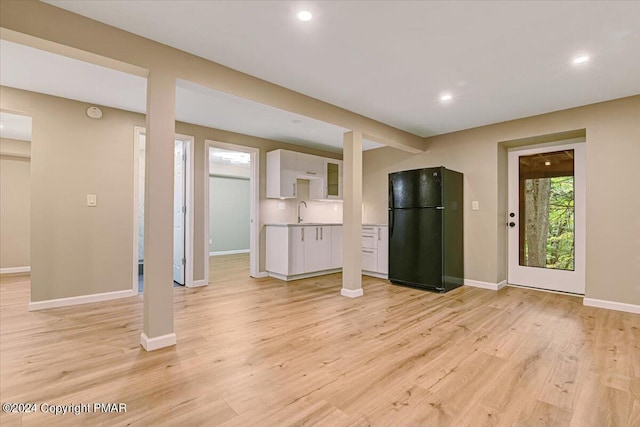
(572, 281)
(189, 218)
(254, 210)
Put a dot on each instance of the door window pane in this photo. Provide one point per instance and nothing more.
(546, 224)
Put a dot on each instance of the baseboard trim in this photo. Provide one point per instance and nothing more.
(611, 305)
(239, 251)
(197, 284)
(82, 299)
(302, 276)
(156, 343)
(351, 293)
(15, 270)
(485, 285)
(261, 275)
(375, 274)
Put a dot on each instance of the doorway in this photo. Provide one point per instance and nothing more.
(182, 212)
(15, 194)
(547, 217)
(234, 169)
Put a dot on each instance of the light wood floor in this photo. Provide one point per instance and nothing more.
(269, 353)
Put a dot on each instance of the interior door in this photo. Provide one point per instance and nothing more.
(546, 218)
(179, 212)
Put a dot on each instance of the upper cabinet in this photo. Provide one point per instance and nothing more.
(330, 187)
(281, 174)
(284, 167)
(309, 166)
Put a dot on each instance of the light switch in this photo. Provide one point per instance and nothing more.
(281, 206)
(92, 200)
(210, 241)
(475, 205)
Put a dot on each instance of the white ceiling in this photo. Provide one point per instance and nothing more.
(391, 60)
(15, 126)
(36, 70)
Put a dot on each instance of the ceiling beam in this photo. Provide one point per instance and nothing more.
(42, 21)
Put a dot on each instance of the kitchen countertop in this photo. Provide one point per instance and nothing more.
(315, 224)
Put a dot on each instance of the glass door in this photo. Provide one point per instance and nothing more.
(546, 218)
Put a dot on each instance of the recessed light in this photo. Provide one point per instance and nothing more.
(446, 97)
(547, 163)
(581, 59)
(305, 15)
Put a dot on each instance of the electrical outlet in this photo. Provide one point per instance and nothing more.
(281, 206)
(475, 205)
(210, 241)
(92, 200)
(335, 208)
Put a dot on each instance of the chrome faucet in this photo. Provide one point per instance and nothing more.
(305, 205)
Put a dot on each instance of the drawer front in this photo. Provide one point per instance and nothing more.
(369, 240)
(369, 259)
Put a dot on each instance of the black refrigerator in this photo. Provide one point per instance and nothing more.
(426, 240)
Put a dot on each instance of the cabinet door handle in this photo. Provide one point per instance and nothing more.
(369, 252)
(311, 173)
(294, 189)
(367, 228)
(316, 233)
(321, 233)
(303, 234)
(378, 233)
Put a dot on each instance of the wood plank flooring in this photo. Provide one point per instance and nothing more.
(268, 353)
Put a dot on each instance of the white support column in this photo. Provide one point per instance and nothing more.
(158, 212)
(352, 215)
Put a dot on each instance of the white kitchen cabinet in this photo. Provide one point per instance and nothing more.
(281, 174)
(375, 250)
(330, 186)
(383, 250)
(309, 166)
(336, 246)
(317, 248)
(297, 251)
(285, 251)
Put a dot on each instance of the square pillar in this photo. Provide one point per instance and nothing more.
(158, 212)
(352, 215)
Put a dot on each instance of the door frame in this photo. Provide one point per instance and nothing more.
(254, 206)
(189, 142)
(580, 191)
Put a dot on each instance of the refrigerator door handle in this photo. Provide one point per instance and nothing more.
(391, 201)
(391, 215)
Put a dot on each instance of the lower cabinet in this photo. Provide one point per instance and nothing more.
(298, 251)
(317, 248)
(375, 250)
(294, 252)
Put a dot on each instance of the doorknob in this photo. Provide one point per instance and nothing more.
(512, 224)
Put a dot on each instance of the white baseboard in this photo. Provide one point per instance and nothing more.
(261, 274)
(351, 293)
(14, 270)
(82, 299)
(156, 343)
(302, 276)
(197, 284)
(239, 251)
(375, 274)
(485, 285)
(611, 305)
